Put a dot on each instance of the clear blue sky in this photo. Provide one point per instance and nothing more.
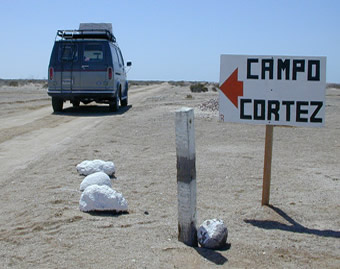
(173, 39)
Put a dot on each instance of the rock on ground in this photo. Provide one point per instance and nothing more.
(210, 105)
(89, 167)
(212, 234)
(98, 178)
(102, 198)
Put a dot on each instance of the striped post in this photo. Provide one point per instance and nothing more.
(186, 176)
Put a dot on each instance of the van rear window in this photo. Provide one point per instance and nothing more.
(93, 53)
(68, 53)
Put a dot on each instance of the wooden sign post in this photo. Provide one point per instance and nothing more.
(267, 164)
(186, 176)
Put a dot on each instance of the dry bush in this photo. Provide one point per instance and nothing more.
(13, 83)
(333, 85)
(144, 82)
(198, 87)
(180, 83)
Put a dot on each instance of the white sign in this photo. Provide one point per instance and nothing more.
(274, 90)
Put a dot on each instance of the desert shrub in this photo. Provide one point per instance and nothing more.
(144, 82)
(13, 83)
(198, 87)
(180, 83)
(333, 85)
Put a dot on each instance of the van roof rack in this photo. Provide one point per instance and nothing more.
(86, 34)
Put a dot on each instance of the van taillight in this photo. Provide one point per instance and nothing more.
(51, 73)
(109, 73)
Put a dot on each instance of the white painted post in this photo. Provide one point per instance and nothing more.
(186, 176)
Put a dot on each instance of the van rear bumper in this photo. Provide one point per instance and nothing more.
(83, 95)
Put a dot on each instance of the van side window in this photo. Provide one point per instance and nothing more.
(114, 55)
(68, 53)
(120, 56)
(93, 53)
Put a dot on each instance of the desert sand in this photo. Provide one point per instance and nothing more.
(41, 225)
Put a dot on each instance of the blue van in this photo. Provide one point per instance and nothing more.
(86, 65)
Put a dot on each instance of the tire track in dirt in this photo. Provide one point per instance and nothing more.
(24, 101)
(136, 94)
(18, 130)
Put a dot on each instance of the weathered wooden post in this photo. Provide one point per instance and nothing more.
(267, 164)
(186, 176)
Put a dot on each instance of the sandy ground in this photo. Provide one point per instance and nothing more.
(41, 225)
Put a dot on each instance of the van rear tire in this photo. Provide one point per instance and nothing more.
(124, 102)
(114, 106)
(57, 104)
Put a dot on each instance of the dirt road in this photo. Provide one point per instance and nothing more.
(42, 227)
(30, 132)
